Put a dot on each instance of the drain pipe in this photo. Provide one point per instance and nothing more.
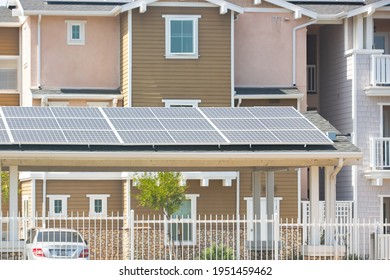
(295, 29)
(39, 52)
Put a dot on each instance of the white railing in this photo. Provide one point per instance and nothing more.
(380, 70)
(380, 153)
(311, 78)
(9, 72)
(344, 211)
(216, 237)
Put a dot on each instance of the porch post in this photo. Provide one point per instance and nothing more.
(256, 196)
(270, 187)
(369, 32)
(314, 205)
(330, 204)
(33, 200)
(13, 202)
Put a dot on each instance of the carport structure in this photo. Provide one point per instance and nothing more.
(261, 140)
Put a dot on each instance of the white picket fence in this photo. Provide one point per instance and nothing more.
(210, 237)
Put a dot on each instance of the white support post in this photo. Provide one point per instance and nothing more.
(369, 32)
(33, 201)
(358, 32)
(330, 205)
(256, 196)
(270, 192)
(13, 202)
(44, 200)
(314, 205)
(238, 233)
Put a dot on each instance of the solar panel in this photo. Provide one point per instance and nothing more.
(38, 136)
(2, 126)
(32, 123)
(76, 113)
(90, 1)
(301, 137)
(238, 124)
(128, 113)
(91, 137)
(137, 124)
(27, 112)
(197, 137)
(177, 113)
(287, 124)
(4, 137)
(227, 113)
(251, 137)
(146, 137)
(186, 124)
(274, 112)
(86, 124)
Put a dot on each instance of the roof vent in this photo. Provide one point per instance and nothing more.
(331, 135)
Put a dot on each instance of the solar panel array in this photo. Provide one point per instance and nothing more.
(158, 126)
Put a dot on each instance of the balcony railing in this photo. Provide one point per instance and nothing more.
(9, 73)
(311, 78)
(380, 153)
(380, 70)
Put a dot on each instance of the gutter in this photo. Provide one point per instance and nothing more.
(112, 13)
(295, 29)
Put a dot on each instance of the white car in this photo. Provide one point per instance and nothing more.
(55, 243)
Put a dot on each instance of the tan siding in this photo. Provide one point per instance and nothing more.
(124, 58)
(268, 102)
(9, 41)
(9, 99)
(156, 78)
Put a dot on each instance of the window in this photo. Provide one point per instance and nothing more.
(181, 102)
(181, 36)
(58, 205)
(76, 32)
(98, 205)
(182, 226)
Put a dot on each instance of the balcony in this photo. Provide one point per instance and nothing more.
(379, 75)
(379, 161)
(9, 73)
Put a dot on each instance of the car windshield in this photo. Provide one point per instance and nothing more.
(59, 236)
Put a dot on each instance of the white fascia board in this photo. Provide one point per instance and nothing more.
(368, 8)
(112, 13)
(10, 24)
(136, 4)
(269, 96)
(102, 156)
(78, 96)
(294, 8)
(228, 5)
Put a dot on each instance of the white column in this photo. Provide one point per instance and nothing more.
(270, 189)
(238, 233)
(44, 200)
(33, 200)
(369, 32)
(13, 202)
(358, 37)
(330, 204)
(314, 204)
(256, 196)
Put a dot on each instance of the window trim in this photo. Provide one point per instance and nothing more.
(195, 53)
(64, 199)
(71, 23)
(194, 201)
(180, 102)
(92, 198)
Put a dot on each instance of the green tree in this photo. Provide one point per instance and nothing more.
(4, 185)
(161, 191)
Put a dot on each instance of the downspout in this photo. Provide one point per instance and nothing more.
(295, 29)
(337, 169)
(39, 52)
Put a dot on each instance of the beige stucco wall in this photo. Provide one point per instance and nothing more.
(95, 64)
(264, 51)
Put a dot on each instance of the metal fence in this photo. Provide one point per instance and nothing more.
(208, 237)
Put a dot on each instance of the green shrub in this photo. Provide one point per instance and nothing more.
(217, 252)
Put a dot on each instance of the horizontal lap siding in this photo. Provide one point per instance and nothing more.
(78, 190)
(9, 41)
(124, 58)
(9, 99)
(268, 102)
(156, 78)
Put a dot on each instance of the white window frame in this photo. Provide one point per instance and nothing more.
(168, 53)
(181, 102)
(25, 206)
(64, 199)
(70, 24)
(193, 198)
(92, 198)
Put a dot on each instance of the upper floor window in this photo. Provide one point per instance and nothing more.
(181, 102)
(181, 36)
(58, 205)
(76, 32)
(98, 205)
